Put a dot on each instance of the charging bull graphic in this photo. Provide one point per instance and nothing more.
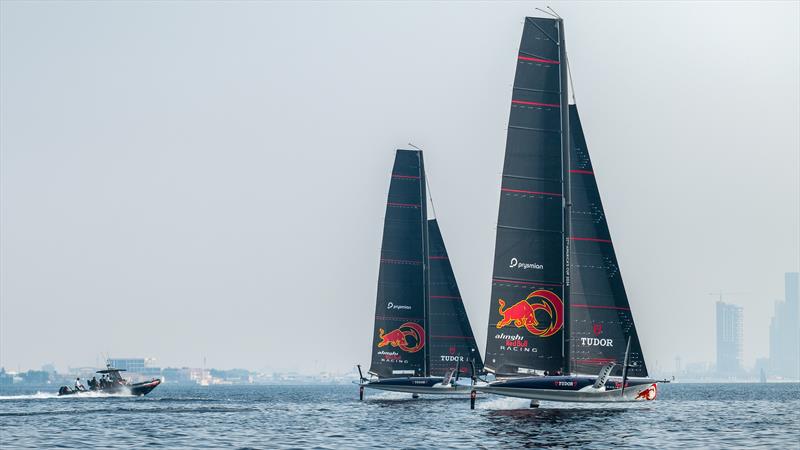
(523, 313)
(410, 337)
(648, 394)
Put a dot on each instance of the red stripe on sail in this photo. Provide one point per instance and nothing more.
(438, 257)
(449, 297)
(500, 280)
(530, 58)
(585, 172)
(607, 241)
(596, 361)
(523, 102)
(521, 191)
(408, 205)
(599, 307)
(394, 175)
(453, 337)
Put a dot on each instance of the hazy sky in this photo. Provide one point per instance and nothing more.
(198, 178)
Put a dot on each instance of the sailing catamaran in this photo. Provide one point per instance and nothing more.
(560, 326)
(422, 339)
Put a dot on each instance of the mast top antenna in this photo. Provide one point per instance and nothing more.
(547, 12)
(554, 11)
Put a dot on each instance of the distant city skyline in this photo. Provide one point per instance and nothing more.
(181, 180)
(782, 362)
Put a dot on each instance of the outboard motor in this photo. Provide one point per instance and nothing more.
(63, 390)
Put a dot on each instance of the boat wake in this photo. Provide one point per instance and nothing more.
(36, 396)
(51, 395)
(388, 395)
(511, 403)
(501, 403)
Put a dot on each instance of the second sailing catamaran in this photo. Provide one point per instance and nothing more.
(422, 339)
(560, 326)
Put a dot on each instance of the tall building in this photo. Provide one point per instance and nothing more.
(784, 331)
(729, 339)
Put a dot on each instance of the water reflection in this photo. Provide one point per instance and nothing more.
(550, 426)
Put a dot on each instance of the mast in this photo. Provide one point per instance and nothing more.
(425, 264)
(565, 179)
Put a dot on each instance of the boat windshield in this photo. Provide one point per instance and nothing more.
(114, 375)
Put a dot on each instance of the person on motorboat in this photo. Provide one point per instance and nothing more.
(93, 384)
(79, 385)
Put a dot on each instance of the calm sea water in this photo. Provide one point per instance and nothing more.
(686, 415)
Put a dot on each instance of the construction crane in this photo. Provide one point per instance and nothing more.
(721, 293)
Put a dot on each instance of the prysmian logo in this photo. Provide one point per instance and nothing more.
(523, 265)
(391, 305)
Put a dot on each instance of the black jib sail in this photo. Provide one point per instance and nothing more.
(451, 339)
(527, 314)
(399, 345)
(600, 316)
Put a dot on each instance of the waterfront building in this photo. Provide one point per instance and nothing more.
(729, 339)
(784, 332)
(142, 367)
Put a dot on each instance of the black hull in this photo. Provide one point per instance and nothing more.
(144, 388)
(573, 389)
(417, 385)
(135, 389)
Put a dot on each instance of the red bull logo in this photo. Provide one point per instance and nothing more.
(523, 313)
(409, 337)
(648, 394)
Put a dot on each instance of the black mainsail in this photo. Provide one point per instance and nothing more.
(558, 302)
(399, 339)
(451, 339)
(526, 315)
(421, 326)
(600, 316)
